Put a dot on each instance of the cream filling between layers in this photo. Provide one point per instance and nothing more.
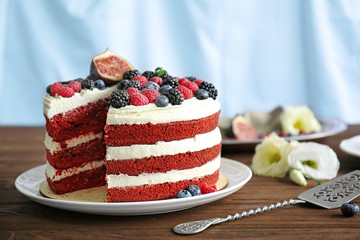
(189, 110)
(54, 146)
(197, 143)
(122, 180)
(54, 105)
(58, 174)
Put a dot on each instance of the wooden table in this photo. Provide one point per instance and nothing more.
(22, 148)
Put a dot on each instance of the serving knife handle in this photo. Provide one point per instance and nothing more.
(199, 226)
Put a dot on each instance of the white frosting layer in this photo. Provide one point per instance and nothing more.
(123, 180)
(189, 110)
(54, 146)
(197, 143)
(58, 174)
(54, 105)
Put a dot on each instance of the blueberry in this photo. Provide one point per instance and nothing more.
(162, 101)
(123, 84)
(194, 190)
(165, 88)
(152, 85)
(201, 94)
(48, 89)
(183, 194)
(99, 84)
(349, 209)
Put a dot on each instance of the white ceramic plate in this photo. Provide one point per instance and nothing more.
(330, 127)
(351, 146)
(238, 175)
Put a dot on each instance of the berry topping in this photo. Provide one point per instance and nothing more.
(201, 94)
(205, 188)
(175, 96)
(55, 88)
(152, 95)
(75, 85)
(152, 85)
(119, 99)
(210, 88)
(157, 80)
(162, 101)
(192, 86)
(172, 81)
(130, 74)
(194, 190)
(99, 84)
(183, 80)
(185, 91)
(165, 88)
(191, 78)
(88, 84)
(135, 84)
(143, 80)
(66, 92)
(122, 85)
(149, 74)
(198, 81)
(349, 209)
(183, 194)
(132, 90)
(139, 100)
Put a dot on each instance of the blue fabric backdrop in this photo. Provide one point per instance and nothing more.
(259, 53)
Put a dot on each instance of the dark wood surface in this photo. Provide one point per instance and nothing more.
(22, 148)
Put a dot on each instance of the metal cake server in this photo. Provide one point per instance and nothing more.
(329, 195)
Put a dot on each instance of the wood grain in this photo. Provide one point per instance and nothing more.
(21, 148)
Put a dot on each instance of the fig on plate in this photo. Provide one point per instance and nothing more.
(242, 129)
(109, 67)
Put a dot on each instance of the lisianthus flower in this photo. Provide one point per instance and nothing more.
(270, 158)
(296, 119)
(297, 176)
(318, 161)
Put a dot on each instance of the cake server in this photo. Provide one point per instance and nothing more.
(329, 195)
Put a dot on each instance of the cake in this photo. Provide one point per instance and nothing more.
(145, 137)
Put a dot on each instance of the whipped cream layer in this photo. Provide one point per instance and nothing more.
(58, 174)
(197, 143)
(190, 109)
(54, 105)
(123, 180)
(54, 146)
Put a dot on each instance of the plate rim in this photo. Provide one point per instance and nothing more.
(70, 205)
(344, 143)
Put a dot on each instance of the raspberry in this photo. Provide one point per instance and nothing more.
(75, 85)
(157, 80)
(132, 90)
(143, 80)
(192, 86)
(205, 188)
(138, 100)
(152, 95)
(185, 91)
(55, 88)
(198, 82)
(67, 92)
(183, 80)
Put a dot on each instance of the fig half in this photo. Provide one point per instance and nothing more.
(109, 67)
(242, 129)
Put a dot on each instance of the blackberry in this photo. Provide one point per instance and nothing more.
(172, 81)
(175, 97)
(88, 84)
(134, 84)
(119, 99)
(191, 78)
(210, 88)
(149, 74)
(130, 74)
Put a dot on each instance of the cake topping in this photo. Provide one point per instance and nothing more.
(187, 93)
(132, 90)
(143, 80)
(75, 85)
(202, 94)
(109, 67)
(175, 97)
(130, 74)
(152, 85)
(169, 80)
(151, 94)
(119, 99)
(135, 84)
(164, 88)
(157, 80)
(122, 85)
(139, 100)
(99, 84)
(162, 101)
(149, 75)
(88, 83)
(210, 88)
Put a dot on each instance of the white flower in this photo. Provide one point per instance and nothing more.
(270, 158)
(299, 118)
(297, 176)
(316, 160)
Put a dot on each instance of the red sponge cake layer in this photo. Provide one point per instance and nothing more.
(157, 191)
(126, 135)
(84, 119)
